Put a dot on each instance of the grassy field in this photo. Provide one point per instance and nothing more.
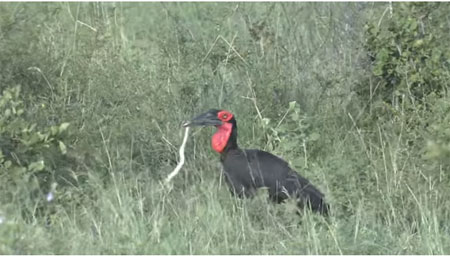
(298, 78)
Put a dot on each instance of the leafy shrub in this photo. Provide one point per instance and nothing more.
(438, 143)
(291, 136)
(25, 150)
(409, 53)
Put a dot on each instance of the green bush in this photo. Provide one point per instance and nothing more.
(409, 78)
(438, 139)
(27, 152)
(409, 53)
(292, 136)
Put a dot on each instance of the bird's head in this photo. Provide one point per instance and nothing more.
(211, 117)
(226, 127)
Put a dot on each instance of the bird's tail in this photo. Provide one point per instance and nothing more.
(306, 193)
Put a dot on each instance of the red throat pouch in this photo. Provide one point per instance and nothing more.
(220, 138)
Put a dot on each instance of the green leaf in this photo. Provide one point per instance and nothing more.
(36, 166)
(292, 105)
(295, 116)
(17, 172)
(54, 130)
(7, 95)
(418, 43)
(33, 139)
(7, 112)
(8, 164)
(62, 147)
(63, 127)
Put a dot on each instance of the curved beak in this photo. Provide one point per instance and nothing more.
(205, 119)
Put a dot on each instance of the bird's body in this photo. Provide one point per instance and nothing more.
(247, 170)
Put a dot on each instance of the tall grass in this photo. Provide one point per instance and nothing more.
(126, 75)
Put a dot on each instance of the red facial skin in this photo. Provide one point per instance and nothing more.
(220, 138)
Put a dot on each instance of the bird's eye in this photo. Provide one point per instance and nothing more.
(224, 116)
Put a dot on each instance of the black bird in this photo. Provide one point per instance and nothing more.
(247, 170)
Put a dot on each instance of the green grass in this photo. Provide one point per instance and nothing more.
(126, 75)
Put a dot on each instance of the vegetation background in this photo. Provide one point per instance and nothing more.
(353, 95)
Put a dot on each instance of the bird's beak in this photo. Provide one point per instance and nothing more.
(205, 119)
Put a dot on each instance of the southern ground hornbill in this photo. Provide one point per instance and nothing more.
(250, 169)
